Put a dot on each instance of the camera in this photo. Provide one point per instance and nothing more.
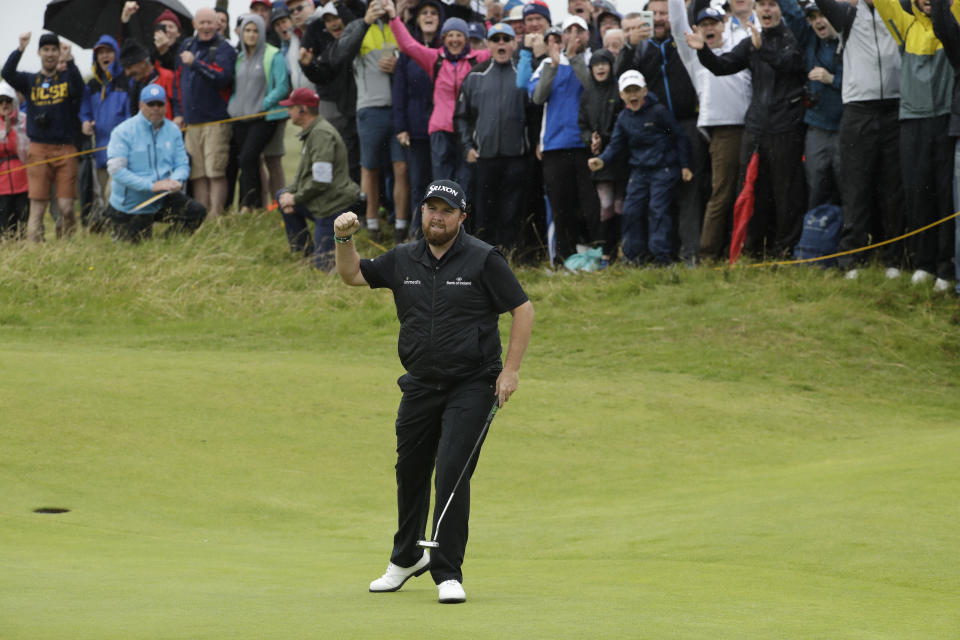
(42, 120)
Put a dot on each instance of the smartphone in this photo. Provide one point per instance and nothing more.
(647, 18)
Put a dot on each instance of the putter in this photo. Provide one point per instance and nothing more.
(434, 543)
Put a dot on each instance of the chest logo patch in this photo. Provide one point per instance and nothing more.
(459, 282)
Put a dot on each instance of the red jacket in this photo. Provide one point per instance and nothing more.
(13, 151)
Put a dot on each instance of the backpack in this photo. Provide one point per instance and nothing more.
(821, 234)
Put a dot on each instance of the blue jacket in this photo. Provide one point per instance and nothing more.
(105, 100)
(651, 135)
(824, 102)
(204, 87)
(140, 154)
(560, 127)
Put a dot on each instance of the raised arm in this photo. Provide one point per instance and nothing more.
(423, 55)
(947, 30)
(734, 61)
(347, 258)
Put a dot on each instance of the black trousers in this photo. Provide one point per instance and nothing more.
(500, 199)
(688, 199)
(250, 137)
(870, 184)
(573, 199)
(183, 214)
(14, 211)
(781, 191)
(437, 428)
(928, 192)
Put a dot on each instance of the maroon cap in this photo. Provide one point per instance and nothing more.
(302, 97)
(266, 2)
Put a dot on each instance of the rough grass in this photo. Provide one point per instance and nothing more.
(691, 454)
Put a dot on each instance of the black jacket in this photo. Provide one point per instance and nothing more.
(665, 74)
(778, 69)
(490, 115)
(600, 104)
(947, 30)
(448, 308)
(335, 83)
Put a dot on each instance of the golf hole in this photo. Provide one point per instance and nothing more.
(51, 510)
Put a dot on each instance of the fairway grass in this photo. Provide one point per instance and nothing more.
(690, 454)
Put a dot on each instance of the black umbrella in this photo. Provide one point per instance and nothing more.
(84, 21)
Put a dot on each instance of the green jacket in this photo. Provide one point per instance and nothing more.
(323, 183)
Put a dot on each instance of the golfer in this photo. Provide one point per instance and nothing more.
(450, 289)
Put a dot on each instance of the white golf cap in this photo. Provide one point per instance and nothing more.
(569, 21)
(327, 10)
(632, 78)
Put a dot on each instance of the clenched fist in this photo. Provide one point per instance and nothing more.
(346, 224)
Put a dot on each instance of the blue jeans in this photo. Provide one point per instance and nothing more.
(298, 235)
(647, 225)
(449, 163)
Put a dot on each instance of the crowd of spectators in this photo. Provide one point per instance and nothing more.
(633, 133)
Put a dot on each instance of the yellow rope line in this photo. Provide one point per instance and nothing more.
(842, 253)
(88, 151)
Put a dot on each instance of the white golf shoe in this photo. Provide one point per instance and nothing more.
(395, 576)
(920, 276)
(941, 285)
(451, 592)
(892, 273)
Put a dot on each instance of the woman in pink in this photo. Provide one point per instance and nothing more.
(14, 204)
(447, 68)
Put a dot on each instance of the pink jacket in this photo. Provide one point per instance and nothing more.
(446, 86)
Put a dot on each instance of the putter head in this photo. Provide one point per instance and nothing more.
(428, 544)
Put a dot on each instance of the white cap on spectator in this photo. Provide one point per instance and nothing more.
(632, 78)
(569, 21)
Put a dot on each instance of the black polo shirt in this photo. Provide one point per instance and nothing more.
(448, 308)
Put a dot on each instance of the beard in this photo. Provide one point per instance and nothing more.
(439, 236)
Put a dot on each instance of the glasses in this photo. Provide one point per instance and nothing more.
(296, 9)
(156, 104)
(6, 100)
(501, 38)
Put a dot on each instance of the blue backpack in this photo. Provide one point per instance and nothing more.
(821, 234)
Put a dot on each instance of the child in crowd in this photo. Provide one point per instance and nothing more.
(14, 203)
(599, 106)
(659, 155)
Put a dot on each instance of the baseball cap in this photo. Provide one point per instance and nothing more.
(514, 14)
(326, 10)
(302, 97)
(811, 7)
(569, 21)
(711, 14)
(448, 191)
(475, 30)
(48, 38)
(632, 78)
(266, 2)
(153, 93)
(501, 27)
(278, 12)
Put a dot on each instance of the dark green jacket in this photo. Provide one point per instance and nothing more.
(323, 183)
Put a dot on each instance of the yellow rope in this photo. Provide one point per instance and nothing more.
(843, 253)
(88, 151)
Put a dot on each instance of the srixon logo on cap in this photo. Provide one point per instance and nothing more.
(450, 190)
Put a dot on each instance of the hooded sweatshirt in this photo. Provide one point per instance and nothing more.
(52, 101)
(260, 81)
(13, 147)
(105, 99)
(600, 104)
